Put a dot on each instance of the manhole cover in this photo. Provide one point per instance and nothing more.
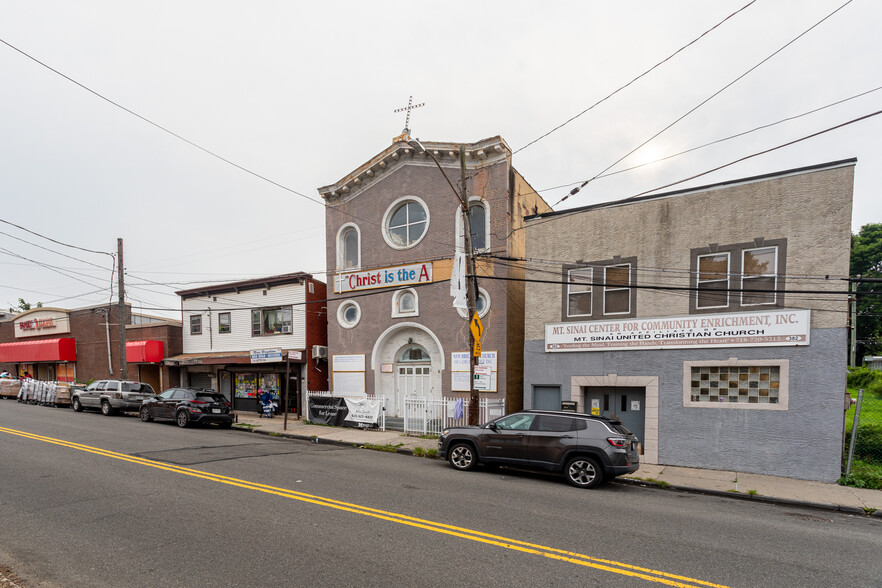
(808, 517)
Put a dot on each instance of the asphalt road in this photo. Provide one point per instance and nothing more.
(92, 501)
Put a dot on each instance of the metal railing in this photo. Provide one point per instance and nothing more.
(429, 416)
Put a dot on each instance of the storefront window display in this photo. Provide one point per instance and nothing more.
(247, 385)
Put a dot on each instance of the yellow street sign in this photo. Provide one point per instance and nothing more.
(476, 326)
(477, 350)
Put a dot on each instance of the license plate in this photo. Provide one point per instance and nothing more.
(215, 410)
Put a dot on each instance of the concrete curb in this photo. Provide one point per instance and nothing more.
(754, 497)
(852, 510)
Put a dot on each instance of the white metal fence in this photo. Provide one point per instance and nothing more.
(326, 394)
(429, 416)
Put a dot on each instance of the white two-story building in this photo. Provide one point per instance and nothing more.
(261, 334)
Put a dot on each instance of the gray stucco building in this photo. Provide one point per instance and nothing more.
(712, 321)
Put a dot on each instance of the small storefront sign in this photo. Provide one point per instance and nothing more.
(568, 405)
(743, 329)
(387, 277)
(266, 355)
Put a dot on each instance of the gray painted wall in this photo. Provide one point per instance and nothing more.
(803, 442)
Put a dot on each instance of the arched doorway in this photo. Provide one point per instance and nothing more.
(413, 375)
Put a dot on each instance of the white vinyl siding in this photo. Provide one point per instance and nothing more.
(240, 306)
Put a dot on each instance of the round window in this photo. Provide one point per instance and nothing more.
(482, 304)
(406, 223)
(348, 314)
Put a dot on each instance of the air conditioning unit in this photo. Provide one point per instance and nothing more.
(319, 352)
(286, 328)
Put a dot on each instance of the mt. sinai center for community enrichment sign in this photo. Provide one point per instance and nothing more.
(745, 329)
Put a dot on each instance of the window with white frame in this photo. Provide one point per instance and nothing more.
(195, 324)
(482, 304)
(579, 291)
(405, 303)
(478, 223)
(271, 321)
(348, 247)
(738, 276)
(759, 275)
(599, 290)
(348, 314)
(405, 222)
(713, 281)
(757, 384)
(616, 289)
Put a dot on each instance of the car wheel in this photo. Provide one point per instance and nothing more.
(106, 409)
(583, 472)
(462, 457)
(75, 404)
(182, 418)
(144, 413)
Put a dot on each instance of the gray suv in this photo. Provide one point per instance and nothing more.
(586, 449)
(111, 396)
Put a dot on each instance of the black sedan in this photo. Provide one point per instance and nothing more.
(188, 405)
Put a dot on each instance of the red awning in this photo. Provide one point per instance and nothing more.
(144, 351)
(63, 349)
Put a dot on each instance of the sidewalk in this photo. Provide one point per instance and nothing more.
(771, 489)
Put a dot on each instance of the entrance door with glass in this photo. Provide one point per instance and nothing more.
(414, 371)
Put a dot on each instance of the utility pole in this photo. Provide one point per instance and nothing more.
(472, 286)
(123, 370)
(472, 278)
(852, 355)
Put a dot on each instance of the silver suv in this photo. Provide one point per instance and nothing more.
(586, 449)
(111, 396)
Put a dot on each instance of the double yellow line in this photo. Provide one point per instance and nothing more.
(451, 530)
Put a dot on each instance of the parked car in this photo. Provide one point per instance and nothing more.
(111, 396)
(586, 449)
(188, 405)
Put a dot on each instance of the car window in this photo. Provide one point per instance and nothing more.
(581, 424)
(92, 386)
(551, 423)
(101, 385)
(181, 394)
(167, 394)
(112, 386)
(137, 387)
(207, 397)
(619, 428)
(516, 422)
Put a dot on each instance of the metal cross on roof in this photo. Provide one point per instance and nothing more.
(410, 106)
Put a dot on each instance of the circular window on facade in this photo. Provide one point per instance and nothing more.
(406, 223)
(482, 304)
(348, 314)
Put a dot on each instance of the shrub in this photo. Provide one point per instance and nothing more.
(869, 443)
(861, 377)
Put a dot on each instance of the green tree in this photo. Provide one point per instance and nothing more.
(866, 261)
(23, 305)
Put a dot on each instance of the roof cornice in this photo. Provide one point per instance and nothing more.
(482, 153)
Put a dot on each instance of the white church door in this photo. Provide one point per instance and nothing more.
(414, 371)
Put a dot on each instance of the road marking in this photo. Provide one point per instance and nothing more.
(454, 531)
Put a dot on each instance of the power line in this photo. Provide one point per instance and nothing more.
(50, 238)
(703, 102)
(620, 88)
(160, 127)
(730, 137)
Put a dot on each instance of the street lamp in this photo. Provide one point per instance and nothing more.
(471, 276)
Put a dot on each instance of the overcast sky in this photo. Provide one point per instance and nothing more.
(303, 93)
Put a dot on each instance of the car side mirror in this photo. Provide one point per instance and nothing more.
(492, 426)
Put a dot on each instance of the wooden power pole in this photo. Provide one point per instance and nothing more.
(123, 369)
